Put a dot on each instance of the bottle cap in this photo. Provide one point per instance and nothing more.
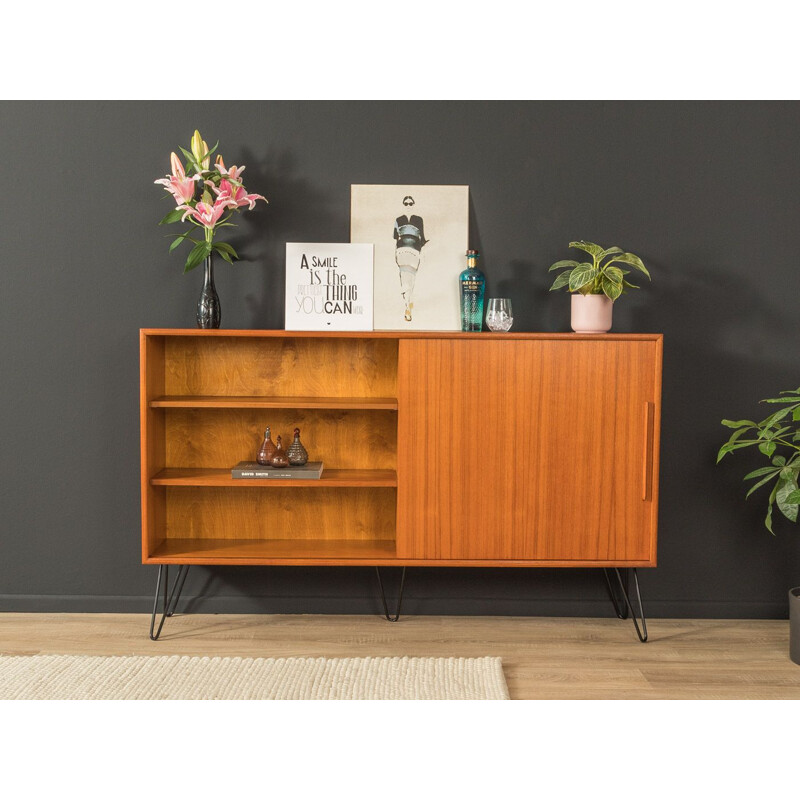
(473, 253)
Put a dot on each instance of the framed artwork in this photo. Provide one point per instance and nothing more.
(328, 287)
(420, 235)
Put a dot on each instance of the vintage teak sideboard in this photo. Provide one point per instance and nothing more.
(439, 449)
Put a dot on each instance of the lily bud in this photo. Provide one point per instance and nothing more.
(177, 167)
(198, 147)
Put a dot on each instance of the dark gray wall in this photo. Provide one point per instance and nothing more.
(706, 193)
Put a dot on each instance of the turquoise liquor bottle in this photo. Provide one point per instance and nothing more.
(473, 284)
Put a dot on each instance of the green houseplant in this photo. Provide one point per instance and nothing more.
(777, 437)
(596, 284)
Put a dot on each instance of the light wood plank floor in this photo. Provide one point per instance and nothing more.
(543, 658)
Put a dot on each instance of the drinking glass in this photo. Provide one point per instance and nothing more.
(499, 315)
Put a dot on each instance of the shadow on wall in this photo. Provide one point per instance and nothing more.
(297, 211)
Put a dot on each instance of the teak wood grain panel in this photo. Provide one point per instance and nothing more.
(341, 439)
(286, 366)
(221, 401)
(537, 450)
(279, 513)
(288, 552)
(153, 440)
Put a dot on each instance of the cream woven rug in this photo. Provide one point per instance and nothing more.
(59, 677)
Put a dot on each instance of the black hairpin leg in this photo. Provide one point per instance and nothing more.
(170, 597)
(623, 607)
(383, 595)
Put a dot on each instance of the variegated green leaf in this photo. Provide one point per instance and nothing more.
(591, 248)
(611, 290)
(561, 280)
(580, 276)
(632, 260)
(562, 264)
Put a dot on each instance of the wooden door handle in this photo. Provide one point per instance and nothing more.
(647, 464)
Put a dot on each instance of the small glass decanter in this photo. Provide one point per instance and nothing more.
(267, 449)
(279, 458)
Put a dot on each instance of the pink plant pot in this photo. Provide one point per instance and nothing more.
(591, 313)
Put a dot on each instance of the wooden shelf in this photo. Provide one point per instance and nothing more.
(271, 551)
(331, 478)
(220, 401)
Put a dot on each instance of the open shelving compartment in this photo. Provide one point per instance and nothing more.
(206, 398)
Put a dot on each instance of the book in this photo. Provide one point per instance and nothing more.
(245, 470)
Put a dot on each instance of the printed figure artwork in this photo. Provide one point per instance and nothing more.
(328, 287)
(420, 234)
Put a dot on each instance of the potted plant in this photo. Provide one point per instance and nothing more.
(596, 285)
(778, 439)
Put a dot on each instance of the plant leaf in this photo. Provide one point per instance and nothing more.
(760, 484)
(611, 290)
(768, 518)
(728, 447)
(614, 274)
(176, 243)
(610, 251)
(190, 160)
(592, 249)
(632, 260)
(789, 510)
(793, 497)
(199, 252)
(782, 400)
(173, 216)
(767, 448)
(562, 264)
(736, 434)
(773, 418)
(779, 461)
(580, 276)
(561, 280)
(757, 473)
(224, 247)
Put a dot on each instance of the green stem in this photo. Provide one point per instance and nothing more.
(788, 444)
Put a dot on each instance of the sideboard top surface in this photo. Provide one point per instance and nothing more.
(594, 337)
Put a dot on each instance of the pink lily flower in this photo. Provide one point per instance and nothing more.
(178, 184)
(233, 173)
(237, 195)
(208, 215)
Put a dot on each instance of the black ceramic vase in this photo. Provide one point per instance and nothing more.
(208, 309)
